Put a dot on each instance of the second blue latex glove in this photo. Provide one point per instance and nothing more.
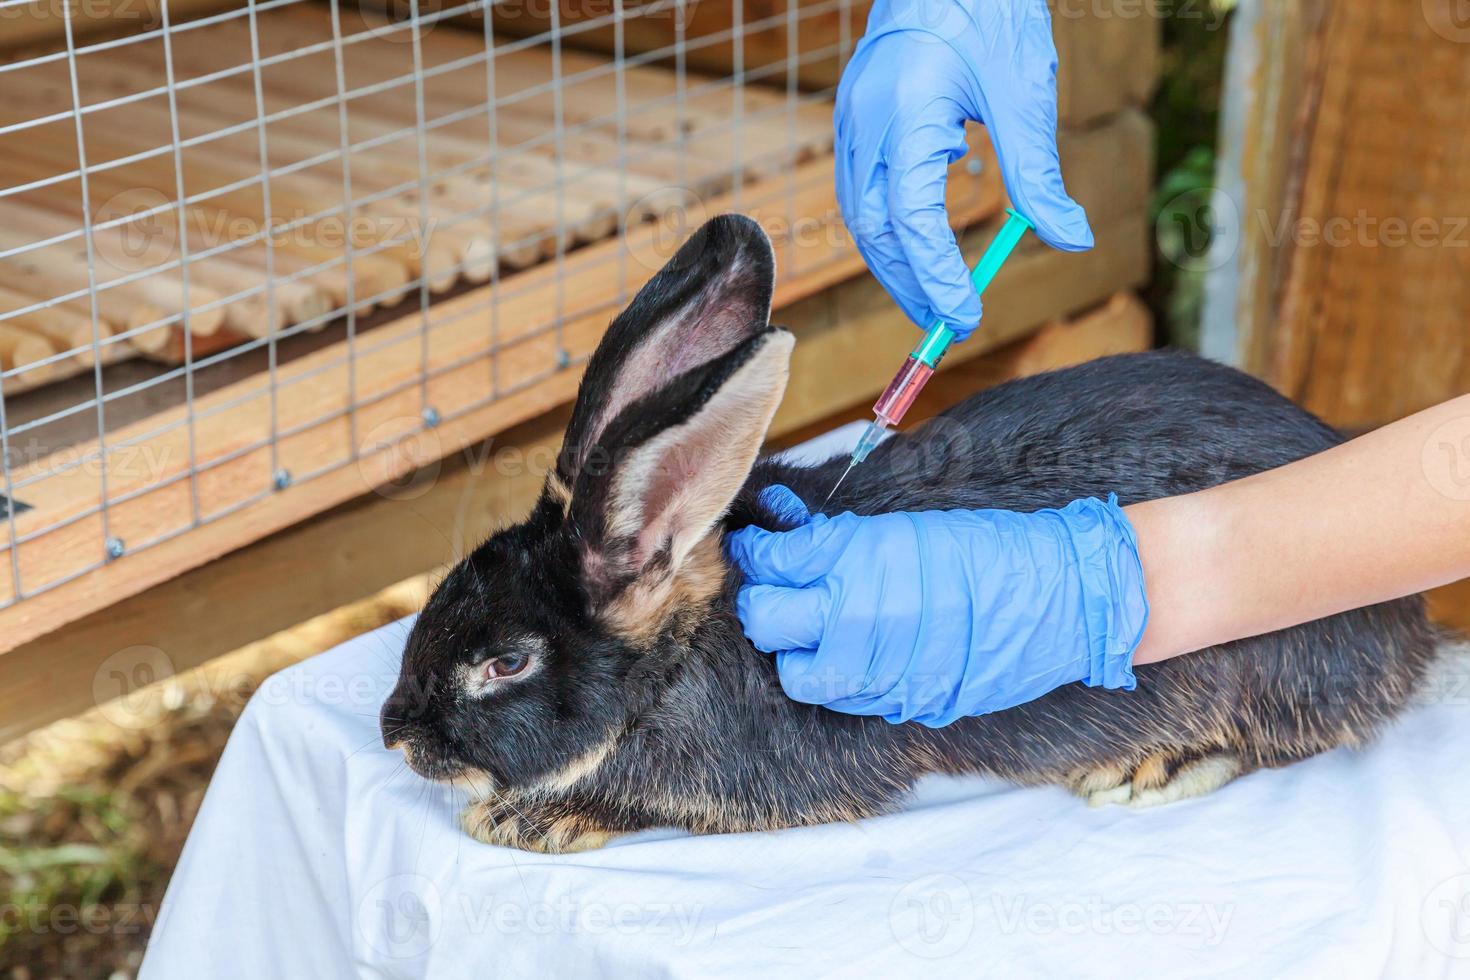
(921, 70)
(938, 615)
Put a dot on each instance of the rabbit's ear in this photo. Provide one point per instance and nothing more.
(646, 504)
(712, 296)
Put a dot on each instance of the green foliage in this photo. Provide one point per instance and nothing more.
(88, 880)
(1186, 110)
(1176, 211)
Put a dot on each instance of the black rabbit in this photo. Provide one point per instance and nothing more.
(585, 673)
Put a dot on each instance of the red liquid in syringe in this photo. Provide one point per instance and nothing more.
(894, 403)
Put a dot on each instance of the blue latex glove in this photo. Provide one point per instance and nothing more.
(938, 615)
(923, 68)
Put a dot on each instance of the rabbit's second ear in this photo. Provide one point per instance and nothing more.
(713, 295)
(644, 516)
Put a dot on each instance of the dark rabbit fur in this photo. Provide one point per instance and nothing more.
(585, 674)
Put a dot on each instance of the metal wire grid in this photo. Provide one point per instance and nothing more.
(359, 345)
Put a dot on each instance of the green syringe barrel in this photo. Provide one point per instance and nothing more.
(919, 366)
(938, 338)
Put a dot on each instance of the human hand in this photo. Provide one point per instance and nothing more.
(938, 615)
(923, 68)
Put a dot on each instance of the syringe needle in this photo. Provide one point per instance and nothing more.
(850, 464)
(871, 436)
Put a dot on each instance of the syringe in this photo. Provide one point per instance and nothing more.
(894, 403)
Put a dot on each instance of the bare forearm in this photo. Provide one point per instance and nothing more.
(1382, 516)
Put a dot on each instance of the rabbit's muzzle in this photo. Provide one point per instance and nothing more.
(402, 712)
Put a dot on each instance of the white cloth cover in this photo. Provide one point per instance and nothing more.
(318, 854)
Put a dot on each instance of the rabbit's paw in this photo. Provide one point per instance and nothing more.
(1163, 777)
(1105, 784)
(530, 827)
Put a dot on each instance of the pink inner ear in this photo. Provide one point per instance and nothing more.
(675, 478)
(711, 324)
(668, 493)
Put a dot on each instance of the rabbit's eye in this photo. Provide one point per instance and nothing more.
(507, 664)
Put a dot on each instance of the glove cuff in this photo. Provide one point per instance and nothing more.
(1113, 601)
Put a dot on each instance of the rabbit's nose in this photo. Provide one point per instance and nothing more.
(392, 730)
(403, 711)
(393, 721)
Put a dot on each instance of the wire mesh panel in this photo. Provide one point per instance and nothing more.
(255, 262)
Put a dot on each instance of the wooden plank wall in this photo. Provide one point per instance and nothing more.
(42, 23)
(1352, 282)
(1372, 316)
(1267, 90)
(476, 217)
(1107, 62)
